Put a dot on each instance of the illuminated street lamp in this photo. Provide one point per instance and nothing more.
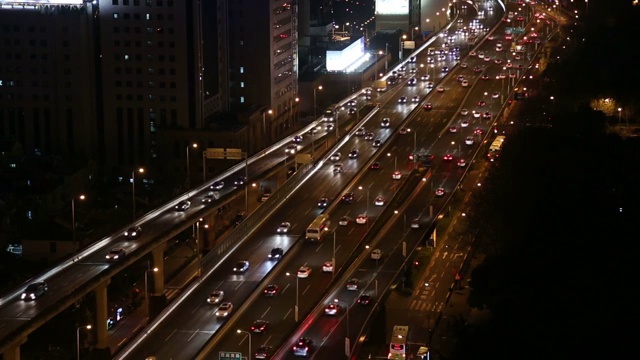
(195, 146)
(146, 287)
(73, 217)
(401, 39)
(249, 335)
(133, 189)
(297, 295)
(88, 327)
(619, 115)
(315, 102)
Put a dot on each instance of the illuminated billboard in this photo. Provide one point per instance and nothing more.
(340, 60)
(42, 2)
(392, 7)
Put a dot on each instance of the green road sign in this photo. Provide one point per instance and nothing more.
(229, 355)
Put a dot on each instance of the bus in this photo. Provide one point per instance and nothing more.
(496, 147)
(399, 343)
(330, 113)
(318, 228)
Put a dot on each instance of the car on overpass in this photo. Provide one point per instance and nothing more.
(133, 232)
(117, 254)
(241, 266)
(183, 205)
(224, 310)
(215, 297)
(34, 291)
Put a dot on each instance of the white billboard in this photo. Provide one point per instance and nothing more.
(41, 2)
(392, 7)
(340, 60)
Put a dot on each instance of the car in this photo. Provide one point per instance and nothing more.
(183, 205)
(440, 88)
(464, 83)
(415, 223)
(133, 232)
(353, 284)
(335, 156)
(464, 112)
(411, 82)
(297, 139)
(445, 69)
(429, 84)
(375, 165)
(327, 266)
(477, 69)
(117, 254)
(453, 129)
(240, 216)
(486, 115)
(380, 200)
(34, 291)
(480, 54)
(283, 228)
(482, 103)
(224, 309)
(304, 272)
(337, 168)
(360, 131)
(215, 297)
(217, 185)
(487, 58)
(497, 61)
(472, 53)
(302, 347)
(353, 154)
(485, 77)
(259, 326)
(512, 75)
(464, 65)
(291, 149)
(462, 162)
(460, 78)
(271, 290)
(415, 99)
(478, 131)
(517, 57)
(210, 197)
(376, 254)
(402, 100)
(314, 130)
(364, 299)
(502, 76)
(323, 202)
(440, 192)
(241, 266)
(424, 77)
(348, 197)
(377, 143)
(469, 140)
(264, 352)
(403, 131)
(495, 95)
(447, 157)
(509, 64)
(386, 122)
(344, 221)
(329, 127)
(476, 114)
(464, 123)
(352, 102)
(265, 196)
(331, 309)
(362, 219)
(428, 106)
(396, 175)
(369, 136)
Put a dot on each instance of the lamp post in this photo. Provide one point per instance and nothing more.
(433, 69)
(198, 237)
(346, 340)
(553, 103)
(146, 287)
(266, 138)
(619, 115)
(73, 217)
(315, 102)
(88, 327)
(133, 189)
(295, 312)
(249, 335)
(195, 146)
(367, 211)
(401, 39)
(386, 57)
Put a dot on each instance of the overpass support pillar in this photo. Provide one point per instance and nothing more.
(157, 300)
(102, 344)
(13, 351)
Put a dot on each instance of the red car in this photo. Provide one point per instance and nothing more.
(486, 115)
(375, 166)
(482, 103)
(453, 129)
(428, 106)
(440, 192)
(447, 157)
(477, 131)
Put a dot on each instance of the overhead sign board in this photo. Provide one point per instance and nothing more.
(41, 2)
(392, 7)
(214, 153)
(229, 355)
(408, 44)
(234, 154)
(220, 153)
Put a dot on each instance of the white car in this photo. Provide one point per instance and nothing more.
(464, 123)
(344, 221)
(304, 272)
(336, 156)
(397, 175)
(337, 168)
(415, 99)
(361, 131)
(116, 254)
(331, 309)
(385, 122)
(462, 162)
(469, 140)
(376, 254)
(476, 114)
(283, 228)
(472, 53)
(291, 149)
(380, 200)
(224, 310)
(215, 297)
(362, 219)
(465, 83)
(327, 266)
(415, 223)
(440, 88)
(440, 192)
(464, 65)
(429, 84)
(464, 112)
(495, 95)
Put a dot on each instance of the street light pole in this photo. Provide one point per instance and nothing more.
(146, 287)
(248, 334)
(88, 327)
(386, 57)
(347, 311)
(198, 238)
(194, 145)
(73, 218)
(333, 259)
(295, 314)
(133, 189)
(315, 102)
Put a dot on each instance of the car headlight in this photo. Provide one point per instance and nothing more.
(32, 296)
(23, 296)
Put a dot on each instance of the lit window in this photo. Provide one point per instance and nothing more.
(148, 16)
(241, 99)
(115, 15)
(241, 69)
(241, 84)
(126, 57)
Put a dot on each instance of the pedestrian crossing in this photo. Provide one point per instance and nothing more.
(425, 306)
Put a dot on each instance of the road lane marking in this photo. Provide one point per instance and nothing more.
(305, 290)
(265, 312)
(287, 314)
(239, 284)
(194, 334)
(170, 335)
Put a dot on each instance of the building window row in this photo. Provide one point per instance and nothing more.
(146, 16)
(282, 22)
(282, 62)
(143, 2)
(140, 97)
(282, 36)
(140, 84)
(282, 9)
(139, 71)
(284, 91)
(138, 57)
(283, 76)
(138, 30)
(138, 44)
(282, 49)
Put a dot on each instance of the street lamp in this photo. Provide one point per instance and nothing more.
(433, 68)
(88, 327)
(412, 31)
(146, 287)
(266, 138)
(198, 237)
(315, 102)
(367, 211)
(195, 146)
(249, 335)
(395, 162)
(401, 39)
(553, 101)
(619, 115)
(133, 189)
(333, 259)
(347, 311)
(73, 217)
(295, 312)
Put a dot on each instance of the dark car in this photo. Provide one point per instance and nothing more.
(348, 197)
(217, 185)
(34, 291)
(241, 266)
(264, 352)
(183, 205)
(259, 326)
(271, 290)
(133, 232)
(323, 203)
(364, 299)
(302, 347)
(375, 166)
(240, 216)
(276, 253)
(116, 254)
(240, 180)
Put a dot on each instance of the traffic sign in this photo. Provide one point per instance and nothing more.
(235, 154)
(229, 355)
(214, 153)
